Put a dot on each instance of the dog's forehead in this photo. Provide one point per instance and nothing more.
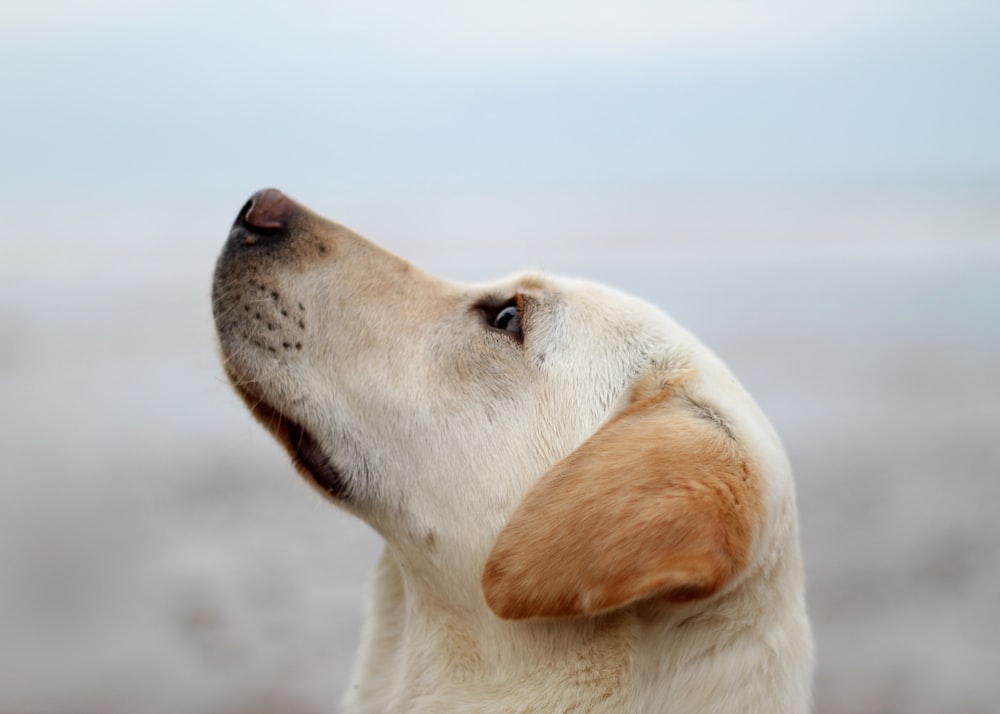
(583, 296)
(595, 313)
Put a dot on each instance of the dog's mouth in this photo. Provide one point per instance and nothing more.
(310, 456)
(307, 455)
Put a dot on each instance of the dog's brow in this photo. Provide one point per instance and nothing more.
(531, 282)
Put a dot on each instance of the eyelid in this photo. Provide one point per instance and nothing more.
(491, 306)
(518, 303)
(523, 305)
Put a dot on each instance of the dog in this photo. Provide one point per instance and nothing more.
(582, 510)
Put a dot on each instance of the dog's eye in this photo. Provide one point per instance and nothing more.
(507, 320)
(503, 316)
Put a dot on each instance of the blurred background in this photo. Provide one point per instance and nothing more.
(813, 189)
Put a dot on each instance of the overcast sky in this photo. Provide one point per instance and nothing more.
(694, 87)
(128, 102)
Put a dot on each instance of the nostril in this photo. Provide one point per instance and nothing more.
(241, 217)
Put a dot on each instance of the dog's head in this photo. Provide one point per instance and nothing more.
(552, 444)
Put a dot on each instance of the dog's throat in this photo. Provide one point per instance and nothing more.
(311, 457)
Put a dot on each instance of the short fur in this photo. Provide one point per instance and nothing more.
(591, 516)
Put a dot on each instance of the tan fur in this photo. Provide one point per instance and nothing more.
(588, 515)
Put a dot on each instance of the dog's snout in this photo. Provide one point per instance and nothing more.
(267, 215)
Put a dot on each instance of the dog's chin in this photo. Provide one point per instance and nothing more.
(307, 455)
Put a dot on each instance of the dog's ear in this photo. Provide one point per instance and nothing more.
(661, 501)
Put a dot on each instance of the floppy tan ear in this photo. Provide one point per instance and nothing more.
(660, 502)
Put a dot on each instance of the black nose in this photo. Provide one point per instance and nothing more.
(267, 215)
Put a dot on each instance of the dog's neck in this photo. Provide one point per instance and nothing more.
(420, 654)
(413, 644)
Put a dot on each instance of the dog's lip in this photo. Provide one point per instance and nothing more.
(307, 454)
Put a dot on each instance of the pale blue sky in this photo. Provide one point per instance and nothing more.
(111, 107)
(121, 91)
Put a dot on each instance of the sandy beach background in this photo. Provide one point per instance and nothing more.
(157, 553)
(815, 193)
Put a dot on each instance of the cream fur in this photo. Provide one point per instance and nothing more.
(443, 430)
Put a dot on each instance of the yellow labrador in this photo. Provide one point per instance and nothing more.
(583, 510)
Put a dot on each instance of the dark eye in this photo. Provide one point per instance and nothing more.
(507, 320)
(503, 316)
